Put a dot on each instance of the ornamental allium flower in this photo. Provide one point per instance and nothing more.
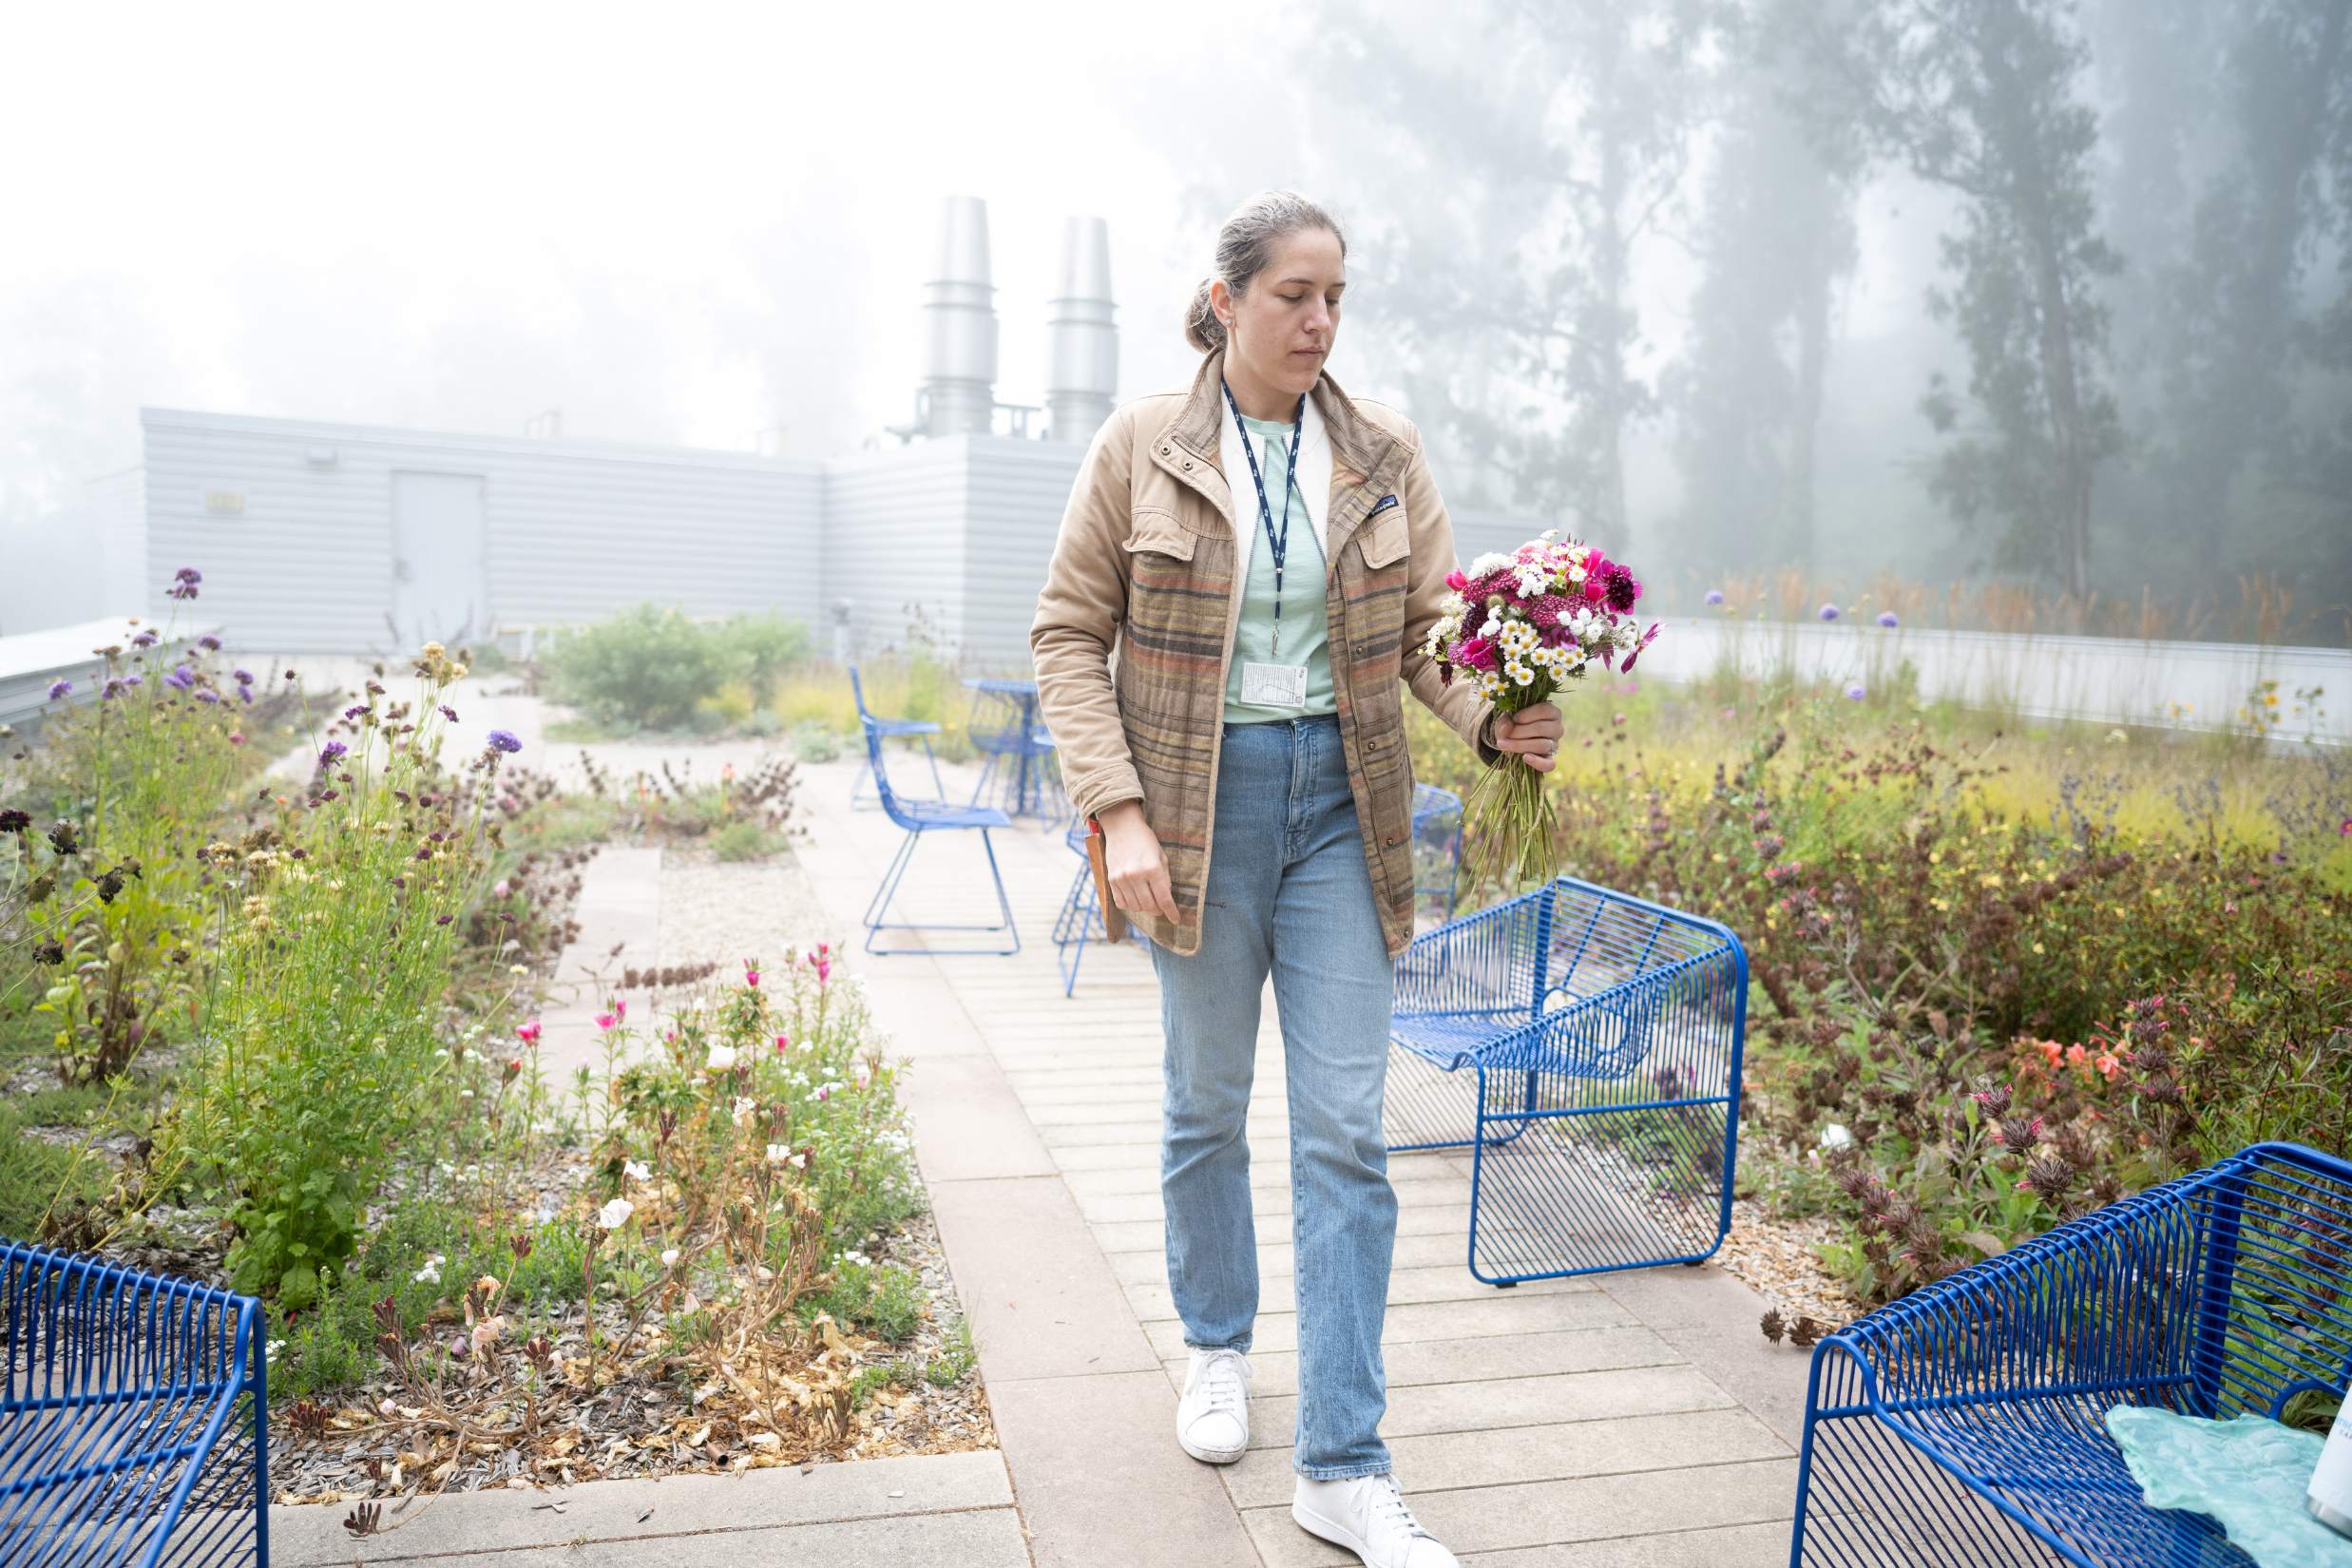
(59, 688)
(1829, 612)
(527, 1032)
(1886, 618)
(503, 740)
(1715, 596)
(1855, 692)
(615, 1214)
(330, 752)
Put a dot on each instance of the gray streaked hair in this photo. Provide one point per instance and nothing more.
(1244, 246)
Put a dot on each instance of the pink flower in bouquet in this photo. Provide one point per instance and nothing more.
(1456, 581)
(1477, 652)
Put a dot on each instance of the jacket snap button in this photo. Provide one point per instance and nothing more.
(1390, 842)
(1188, 463)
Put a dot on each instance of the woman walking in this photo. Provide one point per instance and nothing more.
(1265, 556)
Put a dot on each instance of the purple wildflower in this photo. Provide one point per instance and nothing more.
(449, 713)
(503, 740)
(145, 640)
(1856, 691)
(1829, 612)
(187, 574)
(244, 677)
(181, 678)
(113, 688)
(133, 678)
(59, 688)
(1715, 596)
(208, 695)
(331, 751)
(354, 710)
(1886, 618)
(245, 694)
(209, 642)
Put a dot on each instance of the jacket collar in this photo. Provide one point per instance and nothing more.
(1365, 458)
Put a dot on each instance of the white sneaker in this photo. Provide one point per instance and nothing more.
(1368, 1514)
(1212, 1417)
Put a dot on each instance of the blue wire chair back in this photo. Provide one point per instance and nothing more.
(1547, 981)
(133, 1427)
(2219, 1295)
(891, 805)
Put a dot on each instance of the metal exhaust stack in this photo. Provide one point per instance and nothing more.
(959, 364)
(1082, 378)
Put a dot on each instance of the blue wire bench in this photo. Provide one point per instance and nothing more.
(1596, 1039)
(922, 729)
(1965, 1424)
(919, 817)
(134, 1422)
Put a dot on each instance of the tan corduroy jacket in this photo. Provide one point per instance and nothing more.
(1148, 568)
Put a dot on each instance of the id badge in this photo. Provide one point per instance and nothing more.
(1273, 685)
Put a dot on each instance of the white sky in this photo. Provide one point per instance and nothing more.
(677, 224)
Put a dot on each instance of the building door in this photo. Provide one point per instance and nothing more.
(440, 578)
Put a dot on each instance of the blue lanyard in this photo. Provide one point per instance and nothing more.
(1278, 544)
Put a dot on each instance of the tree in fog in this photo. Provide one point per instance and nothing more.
(2242, 430)
(1982, 97)
(1536, 143)
(1775, 237)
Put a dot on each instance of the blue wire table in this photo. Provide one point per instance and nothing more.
(1014, 746)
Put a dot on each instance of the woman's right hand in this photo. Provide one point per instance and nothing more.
(1132, 857)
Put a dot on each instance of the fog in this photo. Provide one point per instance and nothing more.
(1743, 288)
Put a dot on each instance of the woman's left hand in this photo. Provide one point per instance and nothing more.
(1533, 733)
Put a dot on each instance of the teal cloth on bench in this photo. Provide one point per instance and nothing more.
(2251, 1474)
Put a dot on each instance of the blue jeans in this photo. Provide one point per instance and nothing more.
(1289, 891)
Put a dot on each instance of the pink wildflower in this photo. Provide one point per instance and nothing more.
(528, 1032)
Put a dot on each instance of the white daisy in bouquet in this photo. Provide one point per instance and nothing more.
(1520, 626)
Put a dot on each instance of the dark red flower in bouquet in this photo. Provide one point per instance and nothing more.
(1621, 586)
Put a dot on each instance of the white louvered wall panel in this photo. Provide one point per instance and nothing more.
(1018, 489)
(894, 537)
(575, 531)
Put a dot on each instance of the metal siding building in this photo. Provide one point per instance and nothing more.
(294, 525)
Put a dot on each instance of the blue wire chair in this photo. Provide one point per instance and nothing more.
(1965, 1424)
(921, 728)
(920, 817)
(1437, 851)
(1080, 920)
(1596, 1038)
(134, 1425)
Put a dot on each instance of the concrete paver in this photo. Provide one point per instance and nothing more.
(1575, 1424)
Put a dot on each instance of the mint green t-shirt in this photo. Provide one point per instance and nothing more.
(1304, 620)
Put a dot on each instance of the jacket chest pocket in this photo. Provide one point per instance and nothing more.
(1382, 538)
(1157, 534)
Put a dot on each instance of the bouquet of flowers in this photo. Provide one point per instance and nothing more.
(1521, 626)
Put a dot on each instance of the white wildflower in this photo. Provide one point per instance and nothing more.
(722, 1058)
(636, 1170)
(669, 1258)
(1836, 1137)
(616, 1213)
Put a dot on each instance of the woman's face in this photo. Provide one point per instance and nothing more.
(1281, 330)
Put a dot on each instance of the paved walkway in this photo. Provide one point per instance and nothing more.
(1638, 1419)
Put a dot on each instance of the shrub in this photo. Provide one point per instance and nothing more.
(323, 1042)
(648, 666)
